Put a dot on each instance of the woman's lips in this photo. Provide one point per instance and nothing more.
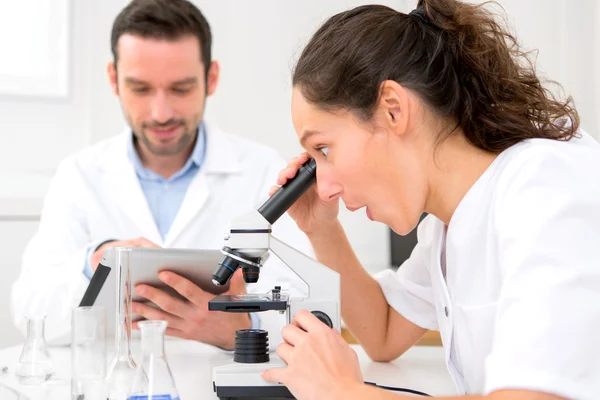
(368, 212)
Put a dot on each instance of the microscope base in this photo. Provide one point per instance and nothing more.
(253, 392)
(243, 381)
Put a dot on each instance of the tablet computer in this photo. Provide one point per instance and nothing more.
(144, 265)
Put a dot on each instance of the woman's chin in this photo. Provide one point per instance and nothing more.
(401, 229)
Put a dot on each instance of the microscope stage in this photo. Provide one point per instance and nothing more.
(248, 303)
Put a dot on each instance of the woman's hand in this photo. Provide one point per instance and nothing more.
(320, 364)
(310, 212)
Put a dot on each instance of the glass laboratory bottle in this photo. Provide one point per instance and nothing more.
(153, 379)
(35, 365)
(122, 368)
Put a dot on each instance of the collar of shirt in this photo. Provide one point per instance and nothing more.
(195, 160)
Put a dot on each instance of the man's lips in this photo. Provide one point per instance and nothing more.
(165, 132)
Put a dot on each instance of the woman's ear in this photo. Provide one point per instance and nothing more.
(393, 104)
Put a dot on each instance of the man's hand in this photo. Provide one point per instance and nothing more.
(96, 257)
(191, 319)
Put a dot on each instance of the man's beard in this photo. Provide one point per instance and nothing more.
(189, 133)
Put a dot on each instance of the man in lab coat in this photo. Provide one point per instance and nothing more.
(170, 180)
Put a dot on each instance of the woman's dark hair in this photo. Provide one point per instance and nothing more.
(163, 19)
(455, 56)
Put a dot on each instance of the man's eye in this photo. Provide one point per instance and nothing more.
(181, 91)
(323, 150)
(140, 90)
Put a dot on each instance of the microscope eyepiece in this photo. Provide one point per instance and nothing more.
(287, 195)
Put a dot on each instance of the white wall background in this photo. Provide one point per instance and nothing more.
(256, 43)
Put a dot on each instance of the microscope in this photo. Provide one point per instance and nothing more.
(248, 241)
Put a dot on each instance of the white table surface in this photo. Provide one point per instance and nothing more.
(421, 368)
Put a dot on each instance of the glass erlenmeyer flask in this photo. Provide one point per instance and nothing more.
(122, 368)
(153, 379)
(35, 364)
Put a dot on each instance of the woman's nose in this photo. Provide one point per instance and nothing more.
(327, 188)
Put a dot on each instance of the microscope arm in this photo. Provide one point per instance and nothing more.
(322, 282)
(324, 286)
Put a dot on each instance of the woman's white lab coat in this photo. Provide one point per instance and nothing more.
(95, 195)
(514, 284)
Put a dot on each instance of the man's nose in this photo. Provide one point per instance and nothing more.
(161, 109)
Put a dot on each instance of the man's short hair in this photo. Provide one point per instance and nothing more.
(163, 19)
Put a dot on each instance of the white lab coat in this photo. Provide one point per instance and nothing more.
(519, 307)
(95, 195)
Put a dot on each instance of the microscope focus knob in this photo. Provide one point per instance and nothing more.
(324, 318)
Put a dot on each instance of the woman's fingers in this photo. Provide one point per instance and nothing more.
(292, 334)
(291, 169)
(302, 158)
(275, 375)
(284, 351)
(306, 321)
(273, 190)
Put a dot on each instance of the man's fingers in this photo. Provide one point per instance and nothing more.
(176, 333)
(169, 331)
(186, 288)
(143, 242)
(237, 284)
(153, 313)
(275, 375)
(165, 301)
(292, 334)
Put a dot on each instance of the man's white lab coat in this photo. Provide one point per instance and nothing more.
(96, 195)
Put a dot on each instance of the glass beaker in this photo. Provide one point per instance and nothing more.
(153, 379)
(88, 353)
(122, 368)
(35, 365)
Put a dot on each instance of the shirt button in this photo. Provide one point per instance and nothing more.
(446, 311)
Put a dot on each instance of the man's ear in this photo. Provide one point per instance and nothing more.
(393, 104)
(111, 71)
(212, 78)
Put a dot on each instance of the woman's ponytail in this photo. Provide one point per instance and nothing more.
(456, 56)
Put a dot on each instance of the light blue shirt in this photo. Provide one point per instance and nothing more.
(164, 196)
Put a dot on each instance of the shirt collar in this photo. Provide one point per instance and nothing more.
(195, 160)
